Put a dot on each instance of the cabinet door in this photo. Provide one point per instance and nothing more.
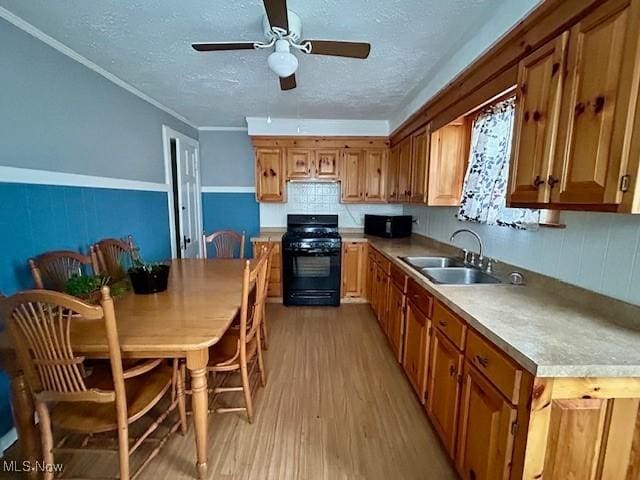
(420, 162)
(594, 120)
(392, 174)
(416, 348)
(326, 164)
(352, 175)
(443, 397)
(375, 175)
(485, 440)
(353, 271)
(395, 321)
(540, 81)
(370, 280)
(275, 274)
(449, 152)
(381, 285)
(404, 170)
(300, 163)
(270, 175)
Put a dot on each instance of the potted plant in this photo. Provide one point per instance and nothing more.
(148, 277)
(86, 287)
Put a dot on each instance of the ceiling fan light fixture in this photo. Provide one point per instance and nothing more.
(282, 62)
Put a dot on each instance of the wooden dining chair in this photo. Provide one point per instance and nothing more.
(52, 270)
(108, 398)
(226, 243)
(269, 251)
(115, 256)
(240, 348)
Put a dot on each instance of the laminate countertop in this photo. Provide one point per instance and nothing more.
(551, 328)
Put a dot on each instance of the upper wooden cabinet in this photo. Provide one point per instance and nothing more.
(419, 166)
(326, 164)
(270, 175)
(300, 163)
(540, 81)
(392, 174)
(576, 114)
(404, 170)
(363, 175)
(449, 153)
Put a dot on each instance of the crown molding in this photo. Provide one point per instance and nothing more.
(222, 129)
(259, 126)
(62, 48)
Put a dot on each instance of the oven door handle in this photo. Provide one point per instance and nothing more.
(315, 253)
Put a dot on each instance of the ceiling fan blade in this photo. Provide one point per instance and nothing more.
(221, 46)
(339, 49)
(277, 13)
(288, 83)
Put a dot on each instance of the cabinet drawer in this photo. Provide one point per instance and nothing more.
(447, 322)
(399, 278)
(384, 263)
(420, 297)
(495, 365)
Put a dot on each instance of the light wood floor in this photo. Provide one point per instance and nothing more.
(336, 406)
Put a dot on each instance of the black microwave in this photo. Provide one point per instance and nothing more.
(389, 226)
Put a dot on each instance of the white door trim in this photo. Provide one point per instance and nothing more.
(167, 134)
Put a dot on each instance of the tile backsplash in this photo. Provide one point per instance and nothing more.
(320, 198)
(597, 251)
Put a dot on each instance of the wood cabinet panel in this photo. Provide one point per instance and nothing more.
(443, 397)
(300, 163)
(540, 82)
(485, 438)
(404, 170)
(392, 174)
(270, 175)
(398, 277)
(370, 278)
(275, 274)
(416, 348)
(594, 123)
(495, 365)
(327, 164)
(375, 175)
(352, 174)
(449, 149)
(380, 292)
(453, 327)
(353, 269)
(395, 319)
(420, 297)
(420, 164)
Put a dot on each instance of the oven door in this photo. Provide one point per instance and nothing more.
(311, 277)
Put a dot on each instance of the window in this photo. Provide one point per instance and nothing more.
(485, 185)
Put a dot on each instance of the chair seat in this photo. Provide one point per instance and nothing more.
(227, 347)
(143, 392)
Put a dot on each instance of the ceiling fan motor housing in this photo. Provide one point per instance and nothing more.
(295, 28)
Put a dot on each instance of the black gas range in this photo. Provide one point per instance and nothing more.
(311, 256)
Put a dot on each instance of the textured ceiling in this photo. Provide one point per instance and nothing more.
(147, 44)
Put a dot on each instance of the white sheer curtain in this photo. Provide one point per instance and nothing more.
(485, 184)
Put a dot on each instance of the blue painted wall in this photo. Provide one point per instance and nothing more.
(37, 218)
(232, 211)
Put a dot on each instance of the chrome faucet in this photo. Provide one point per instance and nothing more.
(466, 253)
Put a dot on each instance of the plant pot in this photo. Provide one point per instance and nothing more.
(154, 281)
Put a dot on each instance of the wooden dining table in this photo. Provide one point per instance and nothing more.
(199, 305)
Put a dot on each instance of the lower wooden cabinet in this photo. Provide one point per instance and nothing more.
(485, 440)
(443, 396)
(380, 292)
(395, 319)
(416, 348)
(354, 257)
(275, 275)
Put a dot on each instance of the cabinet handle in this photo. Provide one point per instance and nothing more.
(482, 361)
(536, 116)
(598, 104)
(538, 181)
(273, 172)
(579, 109)
(442, 323)
(552, 181)
(452, 370)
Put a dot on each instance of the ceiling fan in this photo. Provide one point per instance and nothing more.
(283, 30)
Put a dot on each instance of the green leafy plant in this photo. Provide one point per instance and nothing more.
(140, 266)
(83, 286)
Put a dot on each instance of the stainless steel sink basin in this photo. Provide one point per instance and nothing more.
(458, 276)
(432, 262)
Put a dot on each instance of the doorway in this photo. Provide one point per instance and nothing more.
(182, 176)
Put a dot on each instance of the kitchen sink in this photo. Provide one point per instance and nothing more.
(459, 276)
(433, 262)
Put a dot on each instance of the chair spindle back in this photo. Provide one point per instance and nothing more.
(116, 256)
(52, 270)
(226, 243)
